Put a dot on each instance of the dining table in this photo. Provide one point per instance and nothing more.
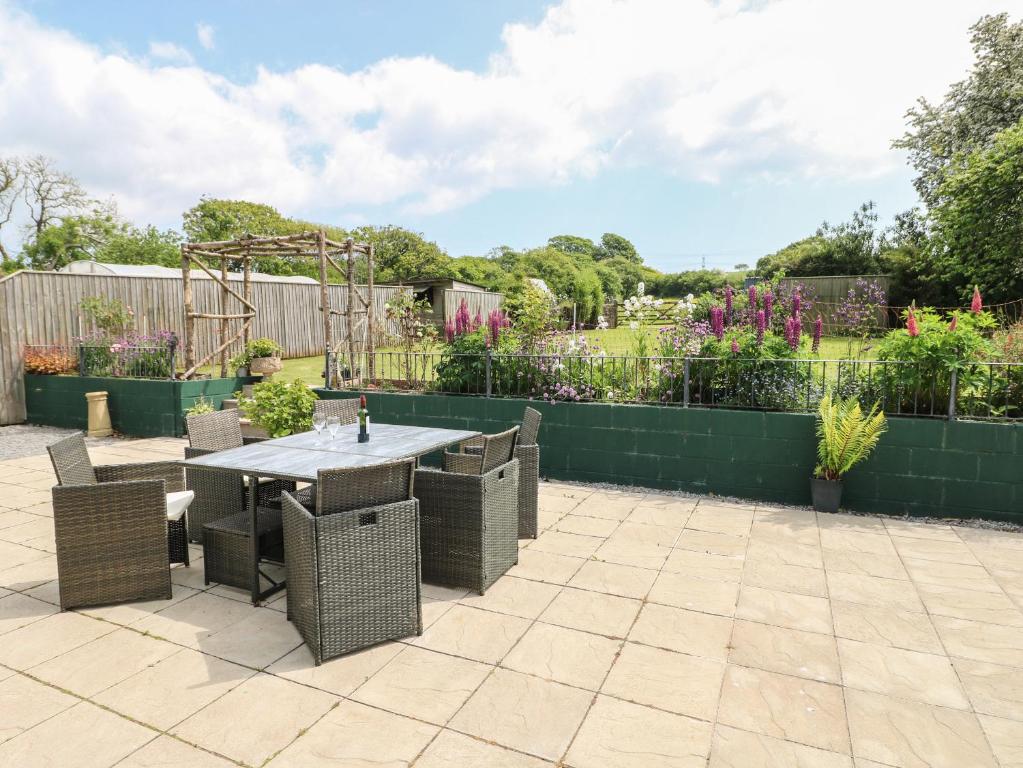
(299, 457)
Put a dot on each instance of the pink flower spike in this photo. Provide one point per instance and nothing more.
(911, 327)
(818, 328)
(735, 347)
(977, 304)
(953, 324)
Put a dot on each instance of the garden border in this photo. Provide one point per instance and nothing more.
(922, 467)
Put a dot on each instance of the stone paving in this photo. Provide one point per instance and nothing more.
(639, 629)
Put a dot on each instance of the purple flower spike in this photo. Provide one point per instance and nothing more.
(728, 305)
(768, 304)
(797, 303)
(752, 297)
(793, 330)
(735, 347)
(717, 323)
(818, 327)
(761, 326)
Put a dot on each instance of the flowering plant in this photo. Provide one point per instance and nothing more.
(641, 311)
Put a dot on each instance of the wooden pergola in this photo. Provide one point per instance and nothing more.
(307, 245)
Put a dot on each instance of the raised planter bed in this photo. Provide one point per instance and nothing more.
(138, 407)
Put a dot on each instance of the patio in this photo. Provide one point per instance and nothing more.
(639, 629)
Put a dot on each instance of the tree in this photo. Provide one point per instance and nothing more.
(741, 267)
(71, 239)
(142, 246)
(612, 246)
(11, 183)
(402, 255)
(973, 111)
(977, 235)
(51, 194)
(582, 246)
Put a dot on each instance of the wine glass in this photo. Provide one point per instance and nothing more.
(319, 422)
(333, 425)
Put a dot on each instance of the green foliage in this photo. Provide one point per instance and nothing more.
(696, 282)
(142, 246)
(614, 246)
(533, 315)
(281, 409)
(571, 277)
(71, 239)
(263, 347)
(462, 368)
(846, 435)
(977, 235)
(402, 255)
(581, 246)
(973, 111)
(201, 406)
(110, 316)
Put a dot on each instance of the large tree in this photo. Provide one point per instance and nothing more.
(50, 194)
(973, 111)
(977, 221)
(402, 255)
(11, 183)
(615, 246)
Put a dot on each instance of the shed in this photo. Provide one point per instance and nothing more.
(445, 294)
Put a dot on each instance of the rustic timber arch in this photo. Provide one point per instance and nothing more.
(358, 309)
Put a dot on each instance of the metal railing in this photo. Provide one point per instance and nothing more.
(987, 390)
(116, 359)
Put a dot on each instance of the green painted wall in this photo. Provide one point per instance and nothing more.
(138, 407)
(921, 467)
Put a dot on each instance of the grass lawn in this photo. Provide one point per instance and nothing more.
(614, 341)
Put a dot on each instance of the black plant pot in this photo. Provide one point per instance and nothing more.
(827, 494)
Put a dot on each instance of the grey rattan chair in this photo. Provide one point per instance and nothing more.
(347, 411)
(469, 515)
(220, 494)
(527, 451)
(353, 562)
(114, 540)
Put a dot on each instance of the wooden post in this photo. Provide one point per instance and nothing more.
(223, 319)
(186, 289)
(370, 316)
(350, 309)
(328, 336)
(247, 291)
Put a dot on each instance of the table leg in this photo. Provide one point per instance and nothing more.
(253, 503)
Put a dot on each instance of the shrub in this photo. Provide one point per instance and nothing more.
(110, 316)
(281, 409)
(201, 406)
(262, 348)
(49, 361)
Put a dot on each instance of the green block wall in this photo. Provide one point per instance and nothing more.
(138, 407)
(921, 467)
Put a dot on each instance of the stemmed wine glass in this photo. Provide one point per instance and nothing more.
(319, 422)
(333, 425)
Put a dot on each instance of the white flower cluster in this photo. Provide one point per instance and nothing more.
(639, 308)
(685, 307)
(602, 324)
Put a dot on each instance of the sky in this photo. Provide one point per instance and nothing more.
(706, 131)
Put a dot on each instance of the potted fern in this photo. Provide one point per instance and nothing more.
(847, 436)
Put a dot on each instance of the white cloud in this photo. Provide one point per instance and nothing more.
(205, 33)
(170, 52)
(790, 89)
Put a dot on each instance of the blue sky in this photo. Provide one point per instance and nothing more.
(702, 131)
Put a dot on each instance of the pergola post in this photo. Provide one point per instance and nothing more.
(370, 316)
(328, 336)
(350, 309)
(223, 317)
(247, 292)
(186, 290)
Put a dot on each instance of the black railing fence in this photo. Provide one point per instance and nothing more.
(987, 390)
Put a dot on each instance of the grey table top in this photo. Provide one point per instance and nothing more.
(301, 456)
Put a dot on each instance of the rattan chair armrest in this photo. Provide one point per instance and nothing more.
(472, 445)
(249, 439)
(463, 463)
(172, 473)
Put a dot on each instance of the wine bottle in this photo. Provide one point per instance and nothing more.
(363, 420)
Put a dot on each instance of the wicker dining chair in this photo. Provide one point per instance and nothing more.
(220, 494)
(115, 538)
(353, 562)
(527, 451)
(347, 410)
(468, 515)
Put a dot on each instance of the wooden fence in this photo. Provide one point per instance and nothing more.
(42, 308)
(827, 294)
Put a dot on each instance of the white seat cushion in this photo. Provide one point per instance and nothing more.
(177, 503)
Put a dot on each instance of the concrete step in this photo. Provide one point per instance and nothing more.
(229, 404)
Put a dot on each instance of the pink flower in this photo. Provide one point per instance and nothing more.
(735, 347)
(449, 331)
(761, 326)
(768, 303)
(953, 324)
(717, 323)
(911, 327)
(797, 303)
(977, 304)
(818, 328)
(793, 330)
(728, 305)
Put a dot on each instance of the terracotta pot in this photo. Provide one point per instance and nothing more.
(826, 494)
(265, 366)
